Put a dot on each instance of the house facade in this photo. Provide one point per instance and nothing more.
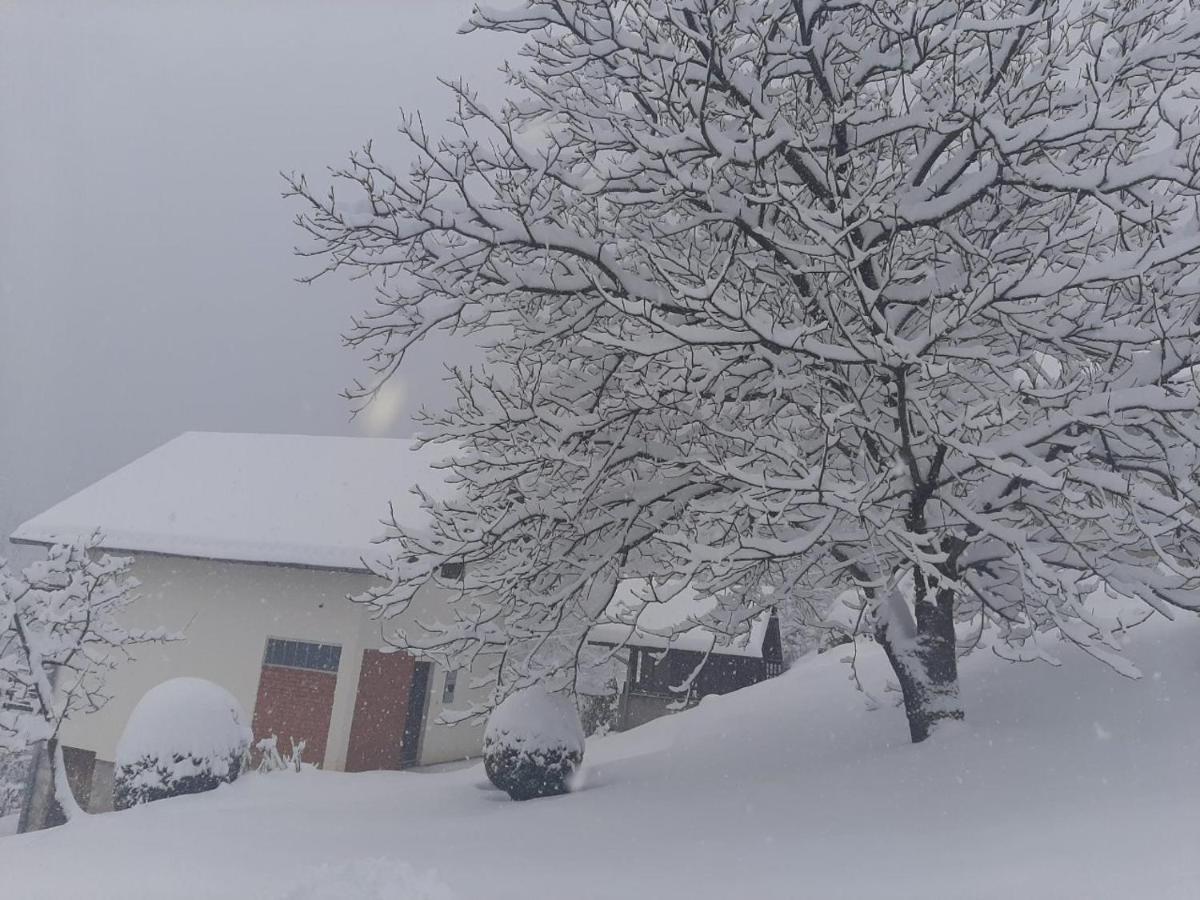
(248, 546)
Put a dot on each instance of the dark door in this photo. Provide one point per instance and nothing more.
(416, 715)
(388, 712)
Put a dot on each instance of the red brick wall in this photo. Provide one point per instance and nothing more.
(380, 711)
(295, 703)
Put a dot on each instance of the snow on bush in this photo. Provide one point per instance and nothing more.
(272, 759)
(533, 744)
(185, 736)
(599, 682)
(14, 769)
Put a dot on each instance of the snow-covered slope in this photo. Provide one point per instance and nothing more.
(1069, 782)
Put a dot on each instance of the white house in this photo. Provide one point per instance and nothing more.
(250, 544)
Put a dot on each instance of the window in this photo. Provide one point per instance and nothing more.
(303, 655)
(453, 571)
(448, 687)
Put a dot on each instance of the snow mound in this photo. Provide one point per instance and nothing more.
(184, 714)
(536, 720)
(369, 879)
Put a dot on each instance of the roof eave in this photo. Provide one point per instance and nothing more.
(131, 551)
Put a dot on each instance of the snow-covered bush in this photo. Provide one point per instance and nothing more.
(185, 736)
(272, 759)
(14, 770)
(600, 713)
(533, 744)
(599, 683)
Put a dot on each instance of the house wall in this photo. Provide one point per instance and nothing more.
(226, 611)
(444, 742)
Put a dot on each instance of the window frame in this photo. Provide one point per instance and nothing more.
(306, 656)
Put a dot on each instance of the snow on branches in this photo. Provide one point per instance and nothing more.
(893, 295)
(61, 633)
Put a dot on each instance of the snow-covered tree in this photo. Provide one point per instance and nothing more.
(61, 633)
(790, 297)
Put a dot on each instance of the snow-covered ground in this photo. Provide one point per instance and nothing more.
(1068, 782)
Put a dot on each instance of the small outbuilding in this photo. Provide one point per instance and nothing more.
(678, 647)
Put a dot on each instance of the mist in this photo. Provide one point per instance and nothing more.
(147, 279)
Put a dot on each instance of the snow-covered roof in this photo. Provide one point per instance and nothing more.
(271, 498)
(678, 619)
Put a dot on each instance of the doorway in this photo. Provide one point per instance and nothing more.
(389, 712)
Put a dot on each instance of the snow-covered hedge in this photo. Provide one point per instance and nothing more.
(185, 736)
(533, 744)
(14, 769)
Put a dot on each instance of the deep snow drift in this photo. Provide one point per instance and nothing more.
(1068, 782)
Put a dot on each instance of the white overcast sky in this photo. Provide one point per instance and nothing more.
(146, 275)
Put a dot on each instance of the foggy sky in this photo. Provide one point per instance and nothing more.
(146, 275)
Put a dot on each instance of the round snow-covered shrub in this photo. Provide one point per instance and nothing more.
(185, 736)
(533, 744)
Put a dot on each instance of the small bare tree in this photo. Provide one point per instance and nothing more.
(61, 633)
(895, 296)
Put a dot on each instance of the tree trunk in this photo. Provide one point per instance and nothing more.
(63, 795)
(49, 801)
(926, 664)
